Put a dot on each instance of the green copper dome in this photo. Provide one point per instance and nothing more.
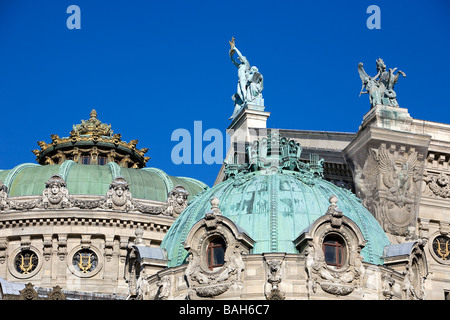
(88, 161)
(146, 183)
(274, 207)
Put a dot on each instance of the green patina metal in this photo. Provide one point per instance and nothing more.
(274, 205)
(146, 183)
(29, 179)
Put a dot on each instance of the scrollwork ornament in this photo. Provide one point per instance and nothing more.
(274, 279)
(207, 284)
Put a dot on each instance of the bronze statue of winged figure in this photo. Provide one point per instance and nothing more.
(381, 86)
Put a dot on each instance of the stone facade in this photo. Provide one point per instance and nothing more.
(279, 276)
(55, 245)
(398, 166)
(79, 243)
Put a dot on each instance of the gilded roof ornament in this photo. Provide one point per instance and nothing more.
(94, 140)
(93, 126)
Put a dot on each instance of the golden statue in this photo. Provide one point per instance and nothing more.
(232, 51)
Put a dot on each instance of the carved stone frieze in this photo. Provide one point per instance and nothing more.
(118, 198)
(207, 283)
(415, 274)
(28, 293)
(177, 201)
(3, 197)
(56, 294)
(62, 246)
(48, 247)
(3, 247)
(387, 285)
(164, 287)
(334, 281)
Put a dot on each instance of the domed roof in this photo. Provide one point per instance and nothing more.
(89, 160)
(146, 183)
(274, 206)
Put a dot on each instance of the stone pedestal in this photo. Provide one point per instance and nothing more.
(244, 128)
(251, 117)
(393, 118)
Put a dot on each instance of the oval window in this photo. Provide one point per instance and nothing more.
(216, 253)
(334, 251)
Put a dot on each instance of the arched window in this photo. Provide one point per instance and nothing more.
(334, 250)
(215, 253)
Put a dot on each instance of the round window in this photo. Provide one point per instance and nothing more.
(85, 260)
(441, 247)
(26, 261)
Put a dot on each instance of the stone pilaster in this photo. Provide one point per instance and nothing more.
(387, 160)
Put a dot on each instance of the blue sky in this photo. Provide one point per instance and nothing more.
(151, 67)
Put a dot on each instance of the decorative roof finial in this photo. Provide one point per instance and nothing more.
(215, 205)
(335, 212)
(93, 114)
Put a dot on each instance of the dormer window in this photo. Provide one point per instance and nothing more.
(216, 253)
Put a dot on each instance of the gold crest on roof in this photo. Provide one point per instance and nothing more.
(93, 126)
(92, 142)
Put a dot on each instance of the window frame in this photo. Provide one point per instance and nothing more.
(84, 157)
(212, 246)
(102, 160)
(337, 242)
